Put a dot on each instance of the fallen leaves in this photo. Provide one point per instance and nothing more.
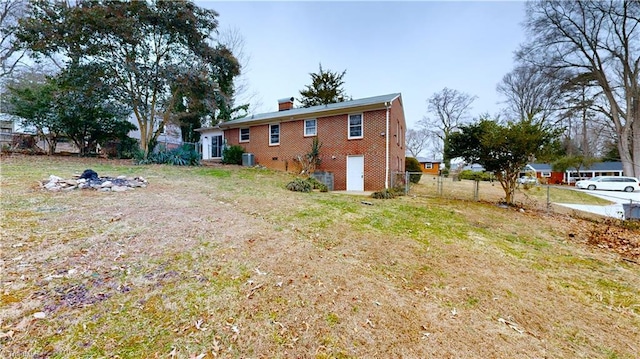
(619, 239)
(610, 235)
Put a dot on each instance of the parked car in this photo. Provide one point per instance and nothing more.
(527, 180)
(611, 183)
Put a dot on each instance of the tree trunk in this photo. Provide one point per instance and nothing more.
(508, 184)
(142, 127)
(586, 152)
(635, 147)
(51, 142)
(625, 154)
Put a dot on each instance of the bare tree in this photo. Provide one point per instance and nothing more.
(557, 98)
(417, 141)
(234, 41)
(598, 40)
(450, 109)
(10, 56)
(530, 92)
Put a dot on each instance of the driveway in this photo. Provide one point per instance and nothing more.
(615, 210)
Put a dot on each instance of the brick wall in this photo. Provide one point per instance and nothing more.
(332, 132)
(398, 128)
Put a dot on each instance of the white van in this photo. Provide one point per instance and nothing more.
(611, 183)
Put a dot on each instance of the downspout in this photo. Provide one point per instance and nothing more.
(386, 157)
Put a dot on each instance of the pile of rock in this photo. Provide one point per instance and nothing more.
(92, 181)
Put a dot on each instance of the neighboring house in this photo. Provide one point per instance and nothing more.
(169, 138)
(429, 166)
(544, 171)
(362, 140)
(14, 135)
(597, 169)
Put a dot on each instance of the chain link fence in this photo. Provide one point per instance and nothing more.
(543, 197)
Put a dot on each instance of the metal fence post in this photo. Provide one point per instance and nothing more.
(548, 198)
(406, 183)
(476, 191)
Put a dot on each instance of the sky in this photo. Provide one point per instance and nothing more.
(414, 48)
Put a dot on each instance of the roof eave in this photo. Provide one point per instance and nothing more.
(202, 129)
(283, 116)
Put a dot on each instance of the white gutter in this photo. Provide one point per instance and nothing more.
(386, 157)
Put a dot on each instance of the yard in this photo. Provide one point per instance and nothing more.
(224, 262)
(532, 196)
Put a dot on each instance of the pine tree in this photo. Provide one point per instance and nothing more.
(325, 88)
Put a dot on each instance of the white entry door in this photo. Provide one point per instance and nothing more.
(355, 173)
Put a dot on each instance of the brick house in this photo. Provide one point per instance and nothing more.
(362, 140)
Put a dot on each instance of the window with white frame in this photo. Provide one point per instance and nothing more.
(310, 127)
(428, 165)
(546, 174)
(274, 134)
(355, 126)
(244, 135)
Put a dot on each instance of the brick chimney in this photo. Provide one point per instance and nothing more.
(285, 104)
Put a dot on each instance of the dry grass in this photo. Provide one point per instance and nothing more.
(224, 262)
(535, 196)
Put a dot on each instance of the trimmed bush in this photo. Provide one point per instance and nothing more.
(232, 155)
(412, 165)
